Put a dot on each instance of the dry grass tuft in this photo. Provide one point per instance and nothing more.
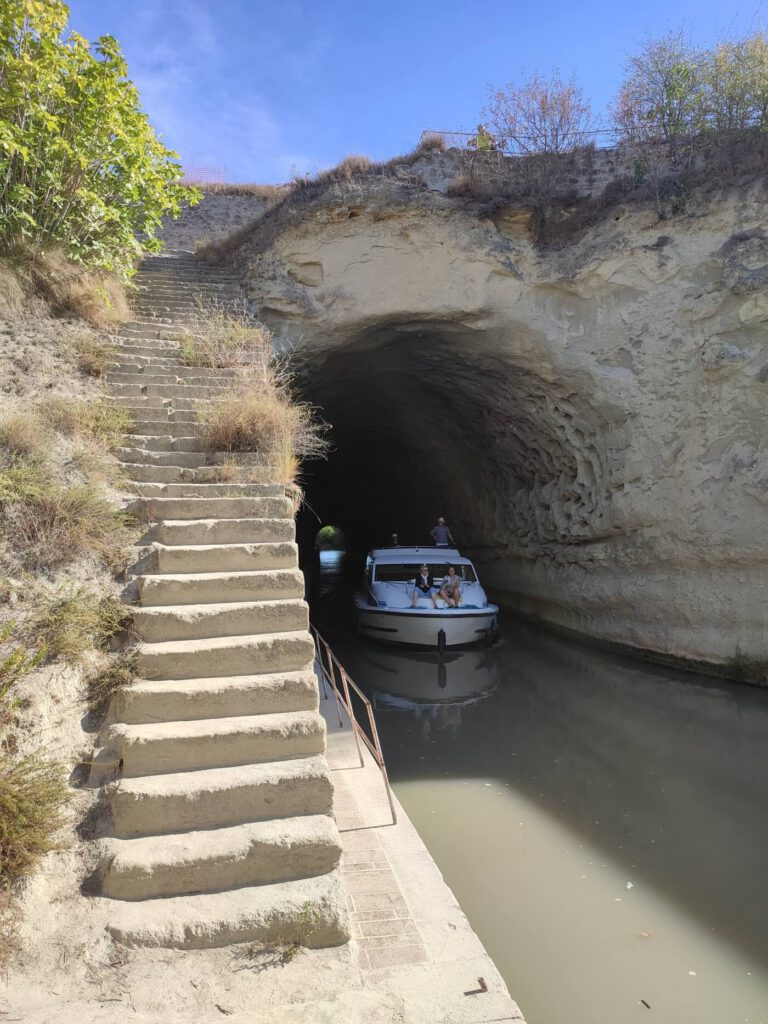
(226, 338)
(227, 472)
(46, 525)
(103, 685)
(73, 623)
(270, 424)
(78, 417)
(23, 435)
(431, 144)
(93, 352)
(94, 466)
(33, 793)
(11, 291)
(67, 288)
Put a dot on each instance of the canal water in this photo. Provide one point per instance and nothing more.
(603, 822)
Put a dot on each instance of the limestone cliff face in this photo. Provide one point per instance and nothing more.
(592, 419)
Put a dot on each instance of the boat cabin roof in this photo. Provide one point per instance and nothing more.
(405, 555)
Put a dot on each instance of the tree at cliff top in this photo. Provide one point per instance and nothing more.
(673, 90)
(81, 168)
(541, 115)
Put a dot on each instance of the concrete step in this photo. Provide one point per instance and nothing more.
(154, 333)
(137, 346)
(150, 402)
(309, 911)
(137, 361)
(217, 508)
(142, 457)
(156, 372)
(220, 587)
(224, 557)
(181, 700)
(257, 853)
(186, 279)
(165, 443)
(166, 379)
(167, 391)
(191, 488)
(163, 747)
(161, 428)
(223, 531)
(233, 618)
(231, 656)
(219, 797)
(138, 472)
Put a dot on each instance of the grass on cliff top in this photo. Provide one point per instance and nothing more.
(305, 187)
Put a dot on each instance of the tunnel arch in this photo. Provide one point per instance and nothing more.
(565, 410)
(421, 429)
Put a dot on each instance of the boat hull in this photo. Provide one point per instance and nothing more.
(421, 628)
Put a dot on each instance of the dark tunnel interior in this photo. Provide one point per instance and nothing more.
(429, 419)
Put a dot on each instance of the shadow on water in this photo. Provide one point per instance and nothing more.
(663, 771)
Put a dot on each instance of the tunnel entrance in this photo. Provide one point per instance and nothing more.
(428, 419)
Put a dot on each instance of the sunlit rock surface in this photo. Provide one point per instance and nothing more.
(591, 419)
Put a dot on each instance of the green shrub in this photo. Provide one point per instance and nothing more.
(33, 793)
(16, 661)
(74, 622)
(80, 165)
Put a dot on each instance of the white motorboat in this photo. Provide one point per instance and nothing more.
(386, 610)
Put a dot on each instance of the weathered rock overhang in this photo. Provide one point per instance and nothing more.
(590, 420)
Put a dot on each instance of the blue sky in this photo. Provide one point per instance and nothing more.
(271, 89)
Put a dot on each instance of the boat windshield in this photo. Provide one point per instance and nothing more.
(394, 572)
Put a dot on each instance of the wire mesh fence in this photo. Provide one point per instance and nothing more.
(205, 174)
(483, 140)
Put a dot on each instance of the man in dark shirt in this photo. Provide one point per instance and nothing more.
(424, 586)
(441, 535)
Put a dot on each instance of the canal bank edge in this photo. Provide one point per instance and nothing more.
(411, 941)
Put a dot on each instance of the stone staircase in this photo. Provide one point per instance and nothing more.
(222, 812)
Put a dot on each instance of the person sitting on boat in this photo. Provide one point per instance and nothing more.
(450, 590)
(441, 535)
(424, 586)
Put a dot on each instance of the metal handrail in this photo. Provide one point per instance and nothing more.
(328, 672)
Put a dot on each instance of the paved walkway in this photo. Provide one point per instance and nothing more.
(411, 939)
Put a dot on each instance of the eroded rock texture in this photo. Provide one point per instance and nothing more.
(591, 420)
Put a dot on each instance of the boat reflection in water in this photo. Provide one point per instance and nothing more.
(435, 687)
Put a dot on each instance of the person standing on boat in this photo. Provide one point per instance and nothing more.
(450, 591)
(441, 535)
(424, 586)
